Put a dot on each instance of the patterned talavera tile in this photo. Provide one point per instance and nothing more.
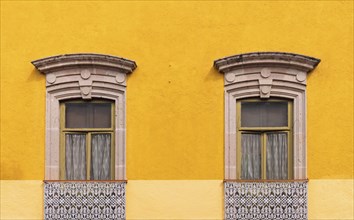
(84, 200)
(265, 200)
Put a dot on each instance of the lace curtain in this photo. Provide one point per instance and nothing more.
(100, 156)
(276, 156)
(251, 156)
(75, 156)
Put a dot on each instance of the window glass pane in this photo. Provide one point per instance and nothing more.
(76, 115)
(101, 115)
(88, 115)
(251, 156)
(277, 155)
(75, 156)
(100, 157)
(264, 114)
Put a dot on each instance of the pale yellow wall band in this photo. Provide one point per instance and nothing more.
(173, 199)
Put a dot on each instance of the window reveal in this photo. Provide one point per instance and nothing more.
(264, 131)
(87, 138)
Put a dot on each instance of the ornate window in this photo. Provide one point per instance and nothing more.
(265, 111)
(85, 135)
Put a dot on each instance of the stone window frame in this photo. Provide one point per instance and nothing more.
(85, 76)
(264, 75)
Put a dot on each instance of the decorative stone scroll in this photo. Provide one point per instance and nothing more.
(266, 200)
(84, 76)
(84, 200)
(265, 75)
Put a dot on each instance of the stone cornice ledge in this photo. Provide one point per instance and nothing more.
(258, 59)
(54, 63)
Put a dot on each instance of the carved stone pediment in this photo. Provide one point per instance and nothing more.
(84, 71)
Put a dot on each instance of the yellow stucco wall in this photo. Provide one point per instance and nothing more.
(175, 108)
(175, 119)
(175, 97)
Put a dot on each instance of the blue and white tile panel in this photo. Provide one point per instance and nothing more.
(266, 200)
(84, 200)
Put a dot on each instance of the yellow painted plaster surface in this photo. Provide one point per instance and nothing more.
(175, 199)
(331, 199)
(175, 126)
(21, 199)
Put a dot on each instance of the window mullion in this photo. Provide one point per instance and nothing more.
(88, 157)
(264, 155)
(290, 156)
(112, 156)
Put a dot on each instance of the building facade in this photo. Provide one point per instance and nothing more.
(172, 84)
